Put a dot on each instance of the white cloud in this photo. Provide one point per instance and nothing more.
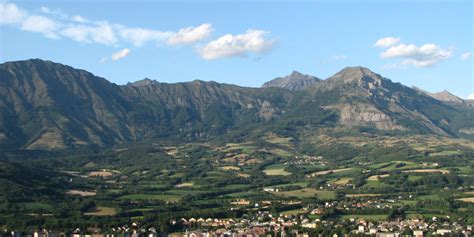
(470, 97)
(253, 41)
(387, 42)
(56, 24)
(79, 19)
(55, 12)
(419, 56)
(140, 36)
(120, 54)
(190, 35)
(466, 55)
(11, 14)
(41, 24)
(59, 24)
(101, 32)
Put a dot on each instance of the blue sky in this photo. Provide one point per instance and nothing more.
(427, 44)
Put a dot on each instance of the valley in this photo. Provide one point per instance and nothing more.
(81, 155)
(157, 184)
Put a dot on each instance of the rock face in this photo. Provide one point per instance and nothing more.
(46, 105)
(295, 81)
(367, 115)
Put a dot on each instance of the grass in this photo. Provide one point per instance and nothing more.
(442, 171)
(428, 197)
(293, 212)
(445, 153)
(308, 193)
(341, 181)
(301, 184)
(407, 165)
(101, 211)
(274, 170)
(414, 178)
(364, 195)
(375, 184)
(408, 202)
(236, 186)
(155, 186)
(162, 197)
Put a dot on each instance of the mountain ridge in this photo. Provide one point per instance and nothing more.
(45, 105)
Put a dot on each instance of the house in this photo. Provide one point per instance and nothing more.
(443, 231)
(418, 233)
(309, 225)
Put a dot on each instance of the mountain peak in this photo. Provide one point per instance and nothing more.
(144, 82)
(294, 81)
(446, 96)
(356, 72)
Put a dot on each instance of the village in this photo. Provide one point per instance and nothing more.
(264, 224)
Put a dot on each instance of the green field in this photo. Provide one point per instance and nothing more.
(308, 193)
(162, 197)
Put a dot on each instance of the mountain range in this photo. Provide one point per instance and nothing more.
(46, 106)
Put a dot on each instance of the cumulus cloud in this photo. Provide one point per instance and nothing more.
(419, 56)
(190, 35)
(140, 36)
(55, 12)
(387, 42)
(41, 24)
(426, 55)
(56, 24)
(470, 97)
(11, 14)
(253, 41)
(120, 54)
(101, 32)
(79, 19)
(466, 55)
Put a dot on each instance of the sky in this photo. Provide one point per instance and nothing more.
(427, 44)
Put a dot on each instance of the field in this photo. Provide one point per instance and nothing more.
(274, 170)
(364, 195)
(101, 211)
(163, 197)
(308, 193)
(102, 173)
(81, 193)
(442, 171)
(377, 177)
(469, 200)
(325, 172)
